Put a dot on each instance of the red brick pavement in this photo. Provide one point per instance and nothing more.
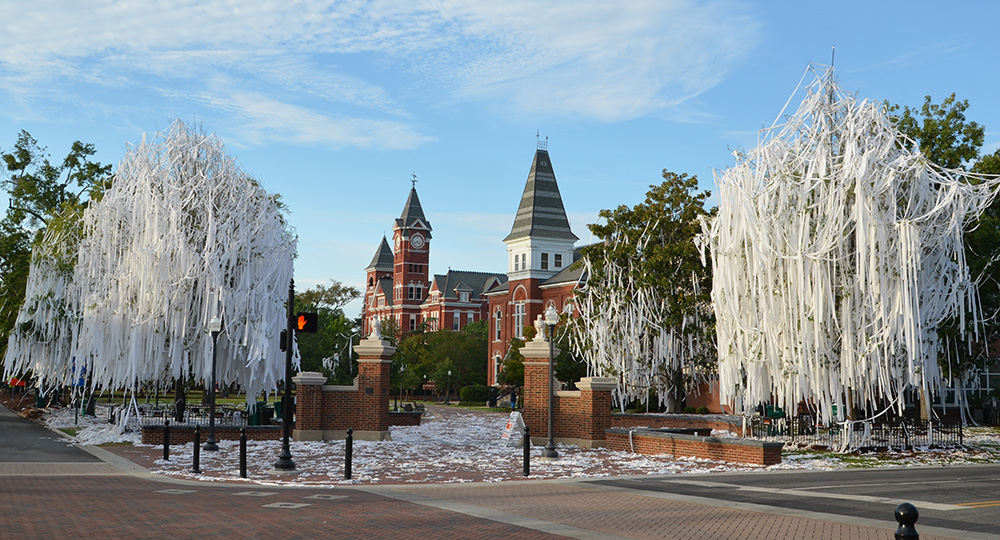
(49, 500)
(644, 517)
(126, 507)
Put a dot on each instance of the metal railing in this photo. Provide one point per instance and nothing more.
(854, 436)
(194, 414)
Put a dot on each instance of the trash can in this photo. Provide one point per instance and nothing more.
(279, 408)
(265, 415)
(255, 413)
(494, 394)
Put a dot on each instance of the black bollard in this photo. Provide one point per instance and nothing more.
(166, 440)
(526, 443)
(906, 516)
(348, 451)
(243, 452)
(197, 451)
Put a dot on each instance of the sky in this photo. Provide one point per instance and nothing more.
(335, 105)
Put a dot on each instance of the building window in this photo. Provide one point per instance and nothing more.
(463, 297)
(517, 262)
(519, 320)
(545, 261)
(472, 317)
(456, 321)
(413, 322)
(558, 261)
(497, 324)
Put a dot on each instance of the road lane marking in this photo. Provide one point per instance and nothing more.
(980, 504)
(818, 495)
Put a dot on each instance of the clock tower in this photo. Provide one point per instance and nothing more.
(411, 235)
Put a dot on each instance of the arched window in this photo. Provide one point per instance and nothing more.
(497, 324)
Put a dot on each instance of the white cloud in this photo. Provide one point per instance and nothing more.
(595, 59)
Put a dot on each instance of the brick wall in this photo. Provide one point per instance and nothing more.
(583, 415)
(363, 407)
(183, 434)
(733, 425)
(405, 418)
(718, 449)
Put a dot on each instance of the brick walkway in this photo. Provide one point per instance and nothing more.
(120, 499)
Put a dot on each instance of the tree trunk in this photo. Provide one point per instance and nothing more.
(180, 400)
(925, 405)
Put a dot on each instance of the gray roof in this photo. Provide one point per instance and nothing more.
(573, 273)
(541, 213)
(412, 212)
(383, 259)
(477, 282)
(385, 287)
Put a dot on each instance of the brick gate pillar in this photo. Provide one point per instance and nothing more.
(374, 359)
(537, 380)
(308, 406)
(595, 406)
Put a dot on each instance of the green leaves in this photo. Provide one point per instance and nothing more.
(41, 195)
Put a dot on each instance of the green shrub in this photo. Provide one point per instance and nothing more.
(703, 410)
(690, 410)
(475, 393)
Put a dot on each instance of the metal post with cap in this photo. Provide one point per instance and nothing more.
(214, 326)
(285, 462)
(551, 318)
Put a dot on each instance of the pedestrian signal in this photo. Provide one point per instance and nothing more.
(307, 323)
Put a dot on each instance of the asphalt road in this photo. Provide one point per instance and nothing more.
(963, 497)
(27, 442)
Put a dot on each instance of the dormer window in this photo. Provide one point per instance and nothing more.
(558, 261)
(463, 297)
(545, 261)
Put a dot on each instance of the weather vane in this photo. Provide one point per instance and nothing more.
(413, 178)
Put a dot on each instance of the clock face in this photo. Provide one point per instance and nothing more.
(417, 241)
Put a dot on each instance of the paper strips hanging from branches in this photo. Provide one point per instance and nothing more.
(181, 236)
(837, 253)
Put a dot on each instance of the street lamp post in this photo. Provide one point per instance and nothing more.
(447, 389)
(215, 326)
(285, 462)
(551, 318)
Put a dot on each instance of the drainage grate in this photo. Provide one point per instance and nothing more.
(285, 505)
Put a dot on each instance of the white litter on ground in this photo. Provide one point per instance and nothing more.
(466, 447)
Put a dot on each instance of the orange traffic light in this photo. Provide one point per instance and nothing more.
(307, 323)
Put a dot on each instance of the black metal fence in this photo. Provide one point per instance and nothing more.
(150, 414)
(856, 436)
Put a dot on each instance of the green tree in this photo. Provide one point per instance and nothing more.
(39, 191)
(649, 250)
(948, 139)
(327, 351)
(512, 371)
(941, 131)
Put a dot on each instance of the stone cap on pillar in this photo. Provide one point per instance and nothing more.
(597, 384)
(308, 378)
(539, 349)
(374, 347)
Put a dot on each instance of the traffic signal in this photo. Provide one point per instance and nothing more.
(307, 323)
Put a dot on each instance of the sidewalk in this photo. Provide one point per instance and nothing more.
(70, 499)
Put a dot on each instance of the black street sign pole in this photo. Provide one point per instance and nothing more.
(285, 462)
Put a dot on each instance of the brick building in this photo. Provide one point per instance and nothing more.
(540, 254)
(399, 286)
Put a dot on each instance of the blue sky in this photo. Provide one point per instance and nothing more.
(334, 104)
